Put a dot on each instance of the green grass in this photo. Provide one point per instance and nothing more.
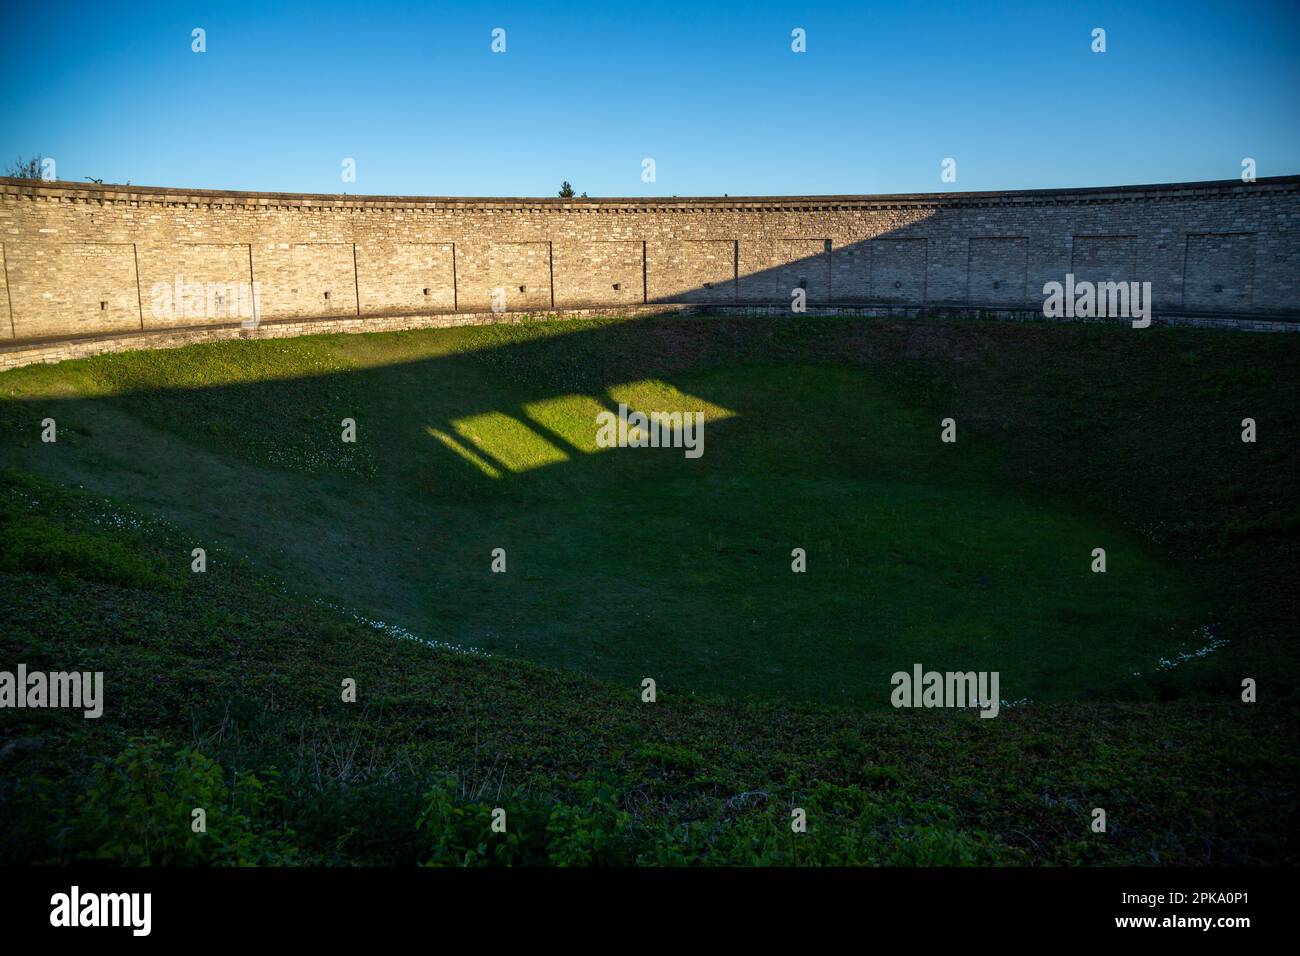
(634, 562)
(821, 434)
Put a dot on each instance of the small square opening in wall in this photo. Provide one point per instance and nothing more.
(426, 291)
(103, 305)
(617, 286)
(523, 288)
(327, 295)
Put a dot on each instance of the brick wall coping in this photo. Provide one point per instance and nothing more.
(159, 195)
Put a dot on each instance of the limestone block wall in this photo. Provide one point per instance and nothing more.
(599, 272)
(405, 276)
(80, 259)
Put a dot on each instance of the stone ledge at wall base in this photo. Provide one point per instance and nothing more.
(18, 354)
(1279, 322)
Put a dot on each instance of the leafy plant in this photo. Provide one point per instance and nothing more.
(138, 811)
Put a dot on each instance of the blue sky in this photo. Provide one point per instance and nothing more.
(712, 92)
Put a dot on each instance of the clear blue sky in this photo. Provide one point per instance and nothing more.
(712, 92)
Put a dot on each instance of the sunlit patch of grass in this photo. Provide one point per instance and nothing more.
(570, 417)
(508, 440)
(475, 460)
(652, 395)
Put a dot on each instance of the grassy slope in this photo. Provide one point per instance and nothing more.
(708, 778)
(636, 562)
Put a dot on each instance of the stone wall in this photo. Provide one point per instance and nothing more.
(80, 260)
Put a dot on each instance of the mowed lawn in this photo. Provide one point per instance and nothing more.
(628, 563)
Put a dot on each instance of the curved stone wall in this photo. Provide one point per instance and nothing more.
(89, 260)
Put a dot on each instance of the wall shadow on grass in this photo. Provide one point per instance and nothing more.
(624, 562)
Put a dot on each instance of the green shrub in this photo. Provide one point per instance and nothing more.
(460, 832)
(590, 831)
(594, 831)
(137, 810)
